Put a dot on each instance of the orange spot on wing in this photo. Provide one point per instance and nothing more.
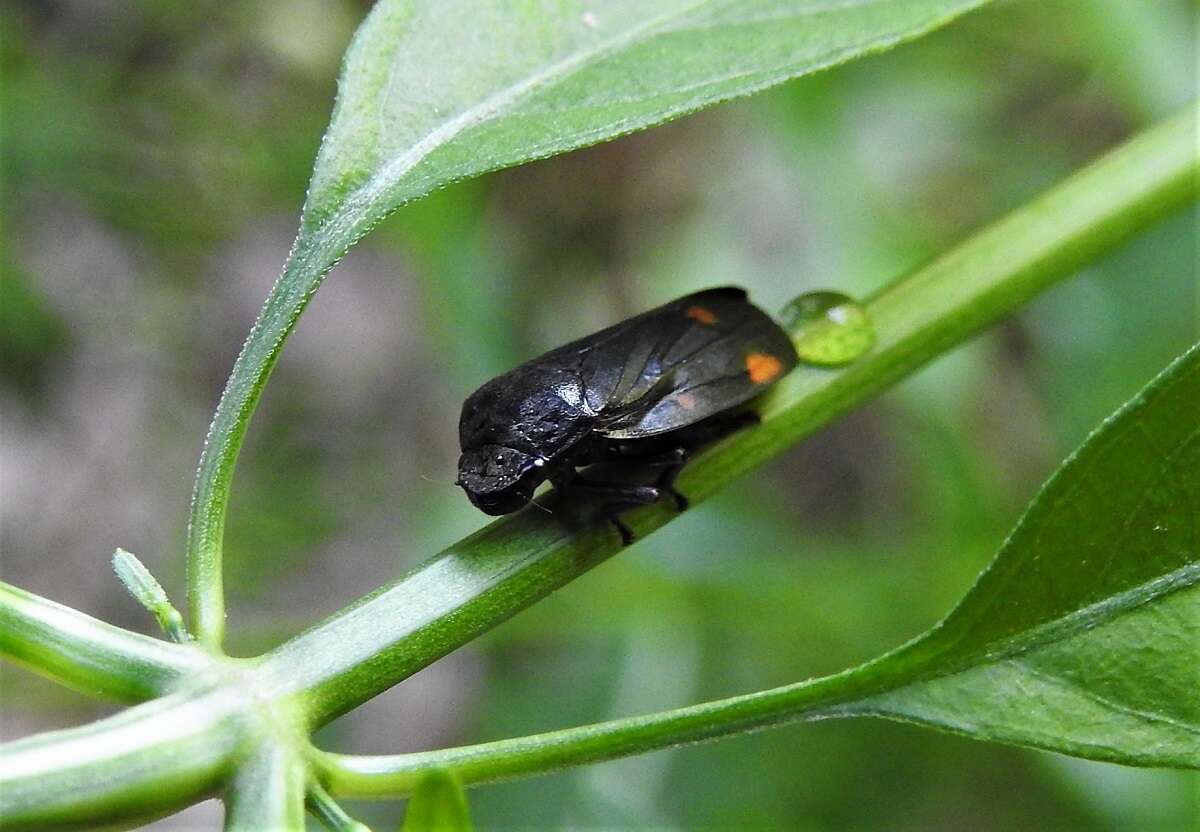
(701, 314)
(762, 367)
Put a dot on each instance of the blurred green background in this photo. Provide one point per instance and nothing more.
(154, 159)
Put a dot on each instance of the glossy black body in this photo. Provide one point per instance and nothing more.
(626, 391)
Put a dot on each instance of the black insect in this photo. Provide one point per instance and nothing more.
(647, 390)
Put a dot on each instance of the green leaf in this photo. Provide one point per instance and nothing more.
(438, 804)
(435, 92)
(1084, 634)
(1124, 690)
(148, 592)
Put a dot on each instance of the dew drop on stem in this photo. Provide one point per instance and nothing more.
(829, 329)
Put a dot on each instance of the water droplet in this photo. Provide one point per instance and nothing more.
(828, 328)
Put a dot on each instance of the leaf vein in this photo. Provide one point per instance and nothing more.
(1080, 690)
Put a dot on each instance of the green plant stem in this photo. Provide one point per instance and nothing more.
(529, 104)
(843, 694)
(481, 581)
(391, 776)
(332, 815)
(86, 654)
(268, 790)
(142, 763)
(210, 493)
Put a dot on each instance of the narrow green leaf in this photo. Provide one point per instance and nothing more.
(1084, 635)
(432, 92)
(148, 592)
(438, 804)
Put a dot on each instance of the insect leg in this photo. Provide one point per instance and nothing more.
(673, 462)
(618, 498)
(670, 461)
(689, 439)
(707, 432)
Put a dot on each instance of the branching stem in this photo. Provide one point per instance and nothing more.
(86, 654)
(226, 715)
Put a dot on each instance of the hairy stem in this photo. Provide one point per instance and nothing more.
(214, 477)
(86, 654)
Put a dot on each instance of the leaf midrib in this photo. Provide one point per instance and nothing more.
(1057, 629)
(1063, 622)
(1113, 705)
(359, 201)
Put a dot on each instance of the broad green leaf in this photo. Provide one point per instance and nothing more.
(438, 804)
(437, 91)
(432, 92)
(1084, 634)
(1126, 690)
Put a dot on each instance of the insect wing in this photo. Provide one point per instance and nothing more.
(617, 365)
(688, 360)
